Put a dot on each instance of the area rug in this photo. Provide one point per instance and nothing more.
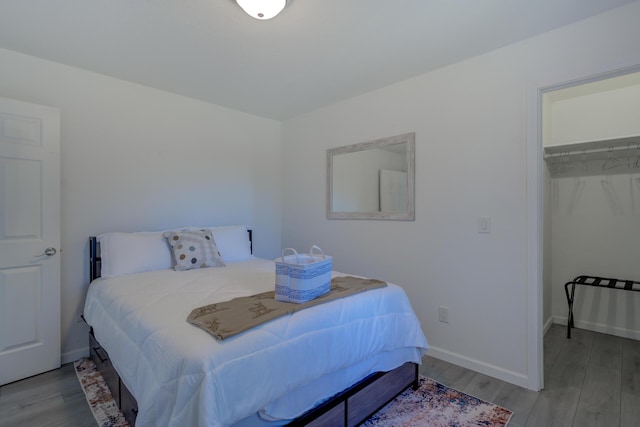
(432, 405)
(104, 407)
(436, 405)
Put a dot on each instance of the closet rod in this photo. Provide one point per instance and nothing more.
(632, 149)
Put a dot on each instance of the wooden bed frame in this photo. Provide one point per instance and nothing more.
(348, 408)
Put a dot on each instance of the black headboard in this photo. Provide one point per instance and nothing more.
(95, 261)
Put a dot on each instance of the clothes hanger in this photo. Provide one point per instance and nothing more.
(583, 161)
(555, 165)
(575, 195)
(612, 162)
(565, 164)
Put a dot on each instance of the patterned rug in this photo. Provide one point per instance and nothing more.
(436, 405)
(105, 409)
(432, 405)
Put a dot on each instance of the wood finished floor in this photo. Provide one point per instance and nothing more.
(591, 380)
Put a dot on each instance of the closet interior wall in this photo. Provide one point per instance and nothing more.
(592, 202)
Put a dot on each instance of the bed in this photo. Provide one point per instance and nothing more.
(332, 364)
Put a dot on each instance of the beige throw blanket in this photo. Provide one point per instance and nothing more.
(225, 319)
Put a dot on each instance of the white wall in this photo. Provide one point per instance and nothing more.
(547, 280)
(547, 260)
(602, 115)
(595, 216)
(135, 158)
(471, 145)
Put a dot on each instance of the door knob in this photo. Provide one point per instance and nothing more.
(48, 252)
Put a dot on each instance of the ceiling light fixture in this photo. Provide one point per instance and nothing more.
(262, 9)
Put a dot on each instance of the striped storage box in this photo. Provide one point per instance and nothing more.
(302, 277)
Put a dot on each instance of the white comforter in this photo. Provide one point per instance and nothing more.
(182, 376)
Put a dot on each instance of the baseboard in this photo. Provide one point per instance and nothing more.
(479, 366)
(72, 356)
(599, 327)
(548, 324)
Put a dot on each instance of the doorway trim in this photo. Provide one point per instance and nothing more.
(535, 217)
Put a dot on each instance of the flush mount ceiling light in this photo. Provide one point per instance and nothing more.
(262, 9)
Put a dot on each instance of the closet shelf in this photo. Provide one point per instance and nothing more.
(597, 149)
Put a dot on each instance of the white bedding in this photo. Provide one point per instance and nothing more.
(182, 376)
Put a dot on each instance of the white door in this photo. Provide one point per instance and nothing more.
(29, 239)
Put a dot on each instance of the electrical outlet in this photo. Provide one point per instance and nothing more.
(443, 314)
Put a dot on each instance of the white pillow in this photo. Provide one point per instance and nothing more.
(232, 242)
(126, 253)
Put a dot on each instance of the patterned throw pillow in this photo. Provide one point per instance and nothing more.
(193, 249)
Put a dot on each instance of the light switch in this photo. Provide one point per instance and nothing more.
(443, 314)
(484, 224)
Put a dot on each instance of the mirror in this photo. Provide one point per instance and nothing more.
(372, 180)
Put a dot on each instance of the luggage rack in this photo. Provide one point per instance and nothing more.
(600, 282)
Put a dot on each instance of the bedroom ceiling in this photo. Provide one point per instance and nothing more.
(315, 53)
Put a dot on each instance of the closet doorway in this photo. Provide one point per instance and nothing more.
(591, 201)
